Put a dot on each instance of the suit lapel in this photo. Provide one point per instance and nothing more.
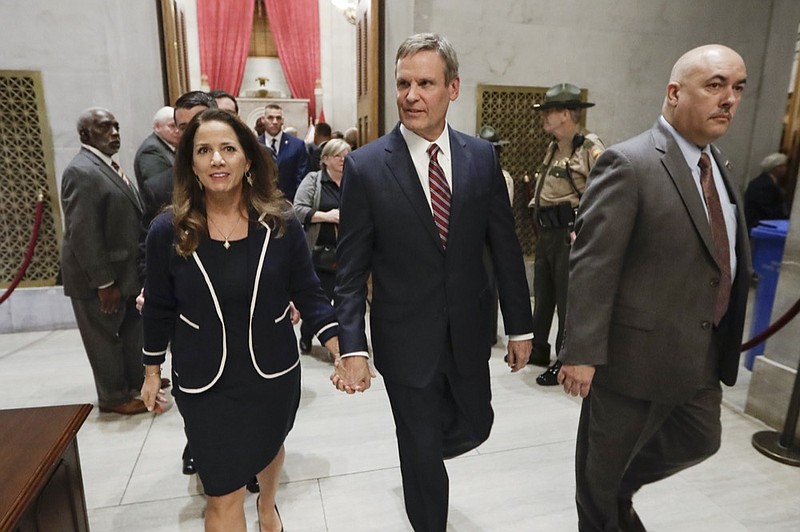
(400, 165)
(109, 172)
(675, 164)
(461, 160)
(258, 234)
(284, 148)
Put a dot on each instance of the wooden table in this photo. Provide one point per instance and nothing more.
(41, 488)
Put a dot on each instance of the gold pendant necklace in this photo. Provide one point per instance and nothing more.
(225, 244)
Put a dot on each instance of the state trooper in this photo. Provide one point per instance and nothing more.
(559, 185)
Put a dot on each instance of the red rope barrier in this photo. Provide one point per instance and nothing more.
(29, 252)
(772, 329)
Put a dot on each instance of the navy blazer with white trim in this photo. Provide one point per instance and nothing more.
(182, 310)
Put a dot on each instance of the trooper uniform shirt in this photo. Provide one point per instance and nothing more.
(553, 185)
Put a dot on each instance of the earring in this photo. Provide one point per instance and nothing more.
(249, 177)
(199, 183)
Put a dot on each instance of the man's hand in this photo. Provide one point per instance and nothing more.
(519, 351)
(140, 301)
(109, 299)
(352, 374)
(576, 380)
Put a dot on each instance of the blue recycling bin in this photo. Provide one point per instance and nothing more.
(767, 240)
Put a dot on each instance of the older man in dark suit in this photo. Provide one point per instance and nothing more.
(418, 207)
(289, 152)
(657, 292)
(102, 217)
(156, 154)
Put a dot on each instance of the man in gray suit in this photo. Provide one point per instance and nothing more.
(156, 154)
(657, 293)
(102, 217)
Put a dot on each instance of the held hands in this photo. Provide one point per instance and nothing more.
(352, 374)
(519, 351)
(576, 380)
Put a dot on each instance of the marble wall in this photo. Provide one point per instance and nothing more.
(622, 51)
(91, 53)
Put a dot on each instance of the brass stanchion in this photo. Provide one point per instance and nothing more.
(782, 447)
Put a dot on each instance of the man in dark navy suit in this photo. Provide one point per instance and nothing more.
(419, 206)
(289, 152)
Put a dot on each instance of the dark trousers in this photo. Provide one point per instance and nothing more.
(328, 281)
(113, 344)
(551, 271)
(625, 443)
(448, 417)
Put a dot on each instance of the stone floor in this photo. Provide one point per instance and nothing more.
(342, 473)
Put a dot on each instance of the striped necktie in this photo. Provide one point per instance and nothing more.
(440, 194)
(274, 149)
(719, 235)
(127, 181)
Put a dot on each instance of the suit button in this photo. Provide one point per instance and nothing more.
(714, 283)
(705, 325)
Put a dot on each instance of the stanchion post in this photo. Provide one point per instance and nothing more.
(783, 447)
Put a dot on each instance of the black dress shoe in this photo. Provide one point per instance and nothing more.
(550, 375)
(188, 466)
(252, 485)
(305, 346)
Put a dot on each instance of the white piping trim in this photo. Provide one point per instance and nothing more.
(189, 322)
(328, 326)
(154, 353)
(222, 322)
(253, 309)
(285, 312)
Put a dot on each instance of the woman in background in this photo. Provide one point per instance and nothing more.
(316, 204)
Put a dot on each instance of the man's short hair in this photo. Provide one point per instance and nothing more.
(274, 106)
(165, 113)
(323, 129)
(194, 98)
(431, 41)
(219, 93)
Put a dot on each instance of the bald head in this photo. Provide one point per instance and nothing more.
(704, 92)
(98, 128)
(164, 126)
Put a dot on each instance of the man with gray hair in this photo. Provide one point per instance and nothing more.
(157, 152)
(418, 207)
(764, 198)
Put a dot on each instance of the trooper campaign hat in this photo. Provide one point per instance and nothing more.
(562, 96)
(490, 134)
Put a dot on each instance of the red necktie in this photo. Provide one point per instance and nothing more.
(719, 234)
(440, 194)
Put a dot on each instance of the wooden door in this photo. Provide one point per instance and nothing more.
(369, 83)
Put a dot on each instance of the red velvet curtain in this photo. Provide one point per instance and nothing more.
(295, 28)
(224, 28)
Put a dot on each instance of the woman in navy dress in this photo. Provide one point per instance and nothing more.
(223, 266)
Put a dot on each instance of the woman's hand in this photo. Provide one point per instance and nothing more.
(153, 397)
(332, 216)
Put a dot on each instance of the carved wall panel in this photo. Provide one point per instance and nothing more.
(509, 110)
(26, 169)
